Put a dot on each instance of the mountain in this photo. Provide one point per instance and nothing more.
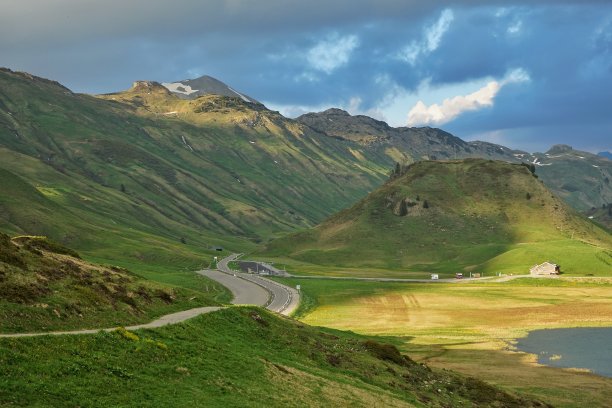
(469, 215)
(581, 178)
(403, 144)
(607, 155)
(148, 176)
(204, 85)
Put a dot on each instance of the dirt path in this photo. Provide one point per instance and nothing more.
(162, 321)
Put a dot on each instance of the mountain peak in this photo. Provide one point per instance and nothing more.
(204, 85)
(560, 148)
(148, 87)
(335, 111)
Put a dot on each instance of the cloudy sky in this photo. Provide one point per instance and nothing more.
(526, 74)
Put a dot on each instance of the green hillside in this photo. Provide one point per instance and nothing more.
(231, 358)
(118, 177)
(456, 216)
(45, 286)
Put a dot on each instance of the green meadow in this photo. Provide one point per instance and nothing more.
(470, 326)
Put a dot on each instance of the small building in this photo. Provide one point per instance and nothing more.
(546, 268)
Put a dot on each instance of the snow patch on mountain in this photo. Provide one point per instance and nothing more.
(179, 88)
(244, 98)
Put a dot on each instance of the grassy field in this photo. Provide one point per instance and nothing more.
(470, 327)
(232, 358)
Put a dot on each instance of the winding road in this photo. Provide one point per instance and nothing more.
(282, 299)
(246, 289)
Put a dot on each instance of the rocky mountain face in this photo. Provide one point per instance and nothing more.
(582, 179)
(403, 144)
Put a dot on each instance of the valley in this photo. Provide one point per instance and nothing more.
(111, 203)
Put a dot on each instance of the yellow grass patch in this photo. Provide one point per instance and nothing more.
(471, 328)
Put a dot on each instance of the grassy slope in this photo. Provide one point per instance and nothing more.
(45, 286)
(483, 216)
(226, 359)
(200, 171)
(469, 327)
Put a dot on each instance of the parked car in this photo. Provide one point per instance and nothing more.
(434, 276)
(458, 276)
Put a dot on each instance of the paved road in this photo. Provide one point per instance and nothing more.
(449, 280)
(283, 299)
(245, 292)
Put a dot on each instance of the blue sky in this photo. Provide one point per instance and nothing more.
(526, 74)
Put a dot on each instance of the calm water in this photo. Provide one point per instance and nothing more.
(589, 348)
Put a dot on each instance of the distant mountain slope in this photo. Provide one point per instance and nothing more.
(205, 85)
(583, 179)
(119, 170)
(403, 144)
(457, 216)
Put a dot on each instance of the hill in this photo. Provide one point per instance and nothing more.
(233, 357)
(145, 176)
(45, 286)
(581, 178)
(470, 215)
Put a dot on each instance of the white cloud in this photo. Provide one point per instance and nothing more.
(451, 108)
(515, 27)
(431, 38)
(330, 54)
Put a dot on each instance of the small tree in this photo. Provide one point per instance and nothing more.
(528, 196)
(425, 204)
(122, 188)
(183, 240)
(418, 198)
(403, 208)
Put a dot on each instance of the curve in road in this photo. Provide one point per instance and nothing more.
(247, 289)
(283, 299)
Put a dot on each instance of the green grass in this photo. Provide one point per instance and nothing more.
(234, 357)
(471, 326)
(478, 219)
(45, 286)
(118, 181)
